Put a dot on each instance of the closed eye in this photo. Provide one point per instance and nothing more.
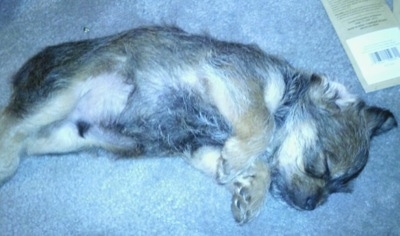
(317, 166)
(341, 184)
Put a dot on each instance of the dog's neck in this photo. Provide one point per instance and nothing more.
(296, 87)
(296, 94)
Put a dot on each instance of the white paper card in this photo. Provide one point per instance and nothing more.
(370, 35)
(377, 54)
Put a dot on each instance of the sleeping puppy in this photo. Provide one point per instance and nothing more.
(247, 118)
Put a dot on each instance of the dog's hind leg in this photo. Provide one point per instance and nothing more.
(15, 129)
(98, 101)
(68, 120)
(69, 135)
(10, 140)
(61, 137)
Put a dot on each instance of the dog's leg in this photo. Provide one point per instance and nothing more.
(252, 132)
(248, 189)
(16, 129)
(242, 103)
(205, 159)
(81, 127)
(61, 137)
(11, 137)
(70, 136)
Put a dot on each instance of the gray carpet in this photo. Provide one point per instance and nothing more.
(92, 194)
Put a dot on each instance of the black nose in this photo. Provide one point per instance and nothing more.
(311, 203)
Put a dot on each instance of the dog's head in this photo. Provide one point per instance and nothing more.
(323, 142)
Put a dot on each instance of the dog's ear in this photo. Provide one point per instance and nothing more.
(379, 120)
(330, 95)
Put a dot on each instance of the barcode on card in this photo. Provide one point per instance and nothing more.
(385, 55)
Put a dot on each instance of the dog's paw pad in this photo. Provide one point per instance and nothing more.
(241, 204)
(247, 200)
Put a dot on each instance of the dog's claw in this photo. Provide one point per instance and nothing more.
(225, 174)
(242, 205)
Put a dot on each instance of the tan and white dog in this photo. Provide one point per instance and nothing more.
(247, 118)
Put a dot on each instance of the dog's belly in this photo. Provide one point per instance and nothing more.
(172, 122)
(140, 121)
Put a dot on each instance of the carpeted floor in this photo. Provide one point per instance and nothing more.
(89, 194)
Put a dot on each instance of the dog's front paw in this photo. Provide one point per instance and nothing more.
(222, 171)
(247, 201)
(249, 190)
(225, 172)
(234, 160)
